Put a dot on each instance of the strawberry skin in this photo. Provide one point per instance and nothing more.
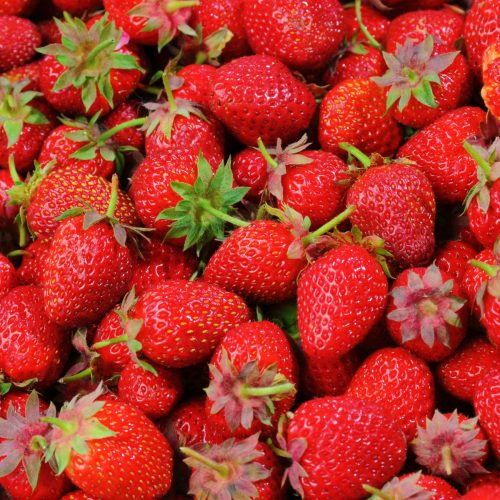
(491, 78)
(31, 71)
(19, 39)
(340, 298)
(196, 83)
(8, 276)
(375, 22)
(129, 110)
(77, 7)
(16, 7)
(8, 212)
(452, 259)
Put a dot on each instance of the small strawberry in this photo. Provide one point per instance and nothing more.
(132, 136)
(452, 258)
(491, 78)
(30, 71)
(77, 7)
(8, 276)
(398, 381)
(19, 39)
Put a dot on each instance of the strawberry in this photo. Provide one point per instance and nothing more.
(22, 473)
(474, 277)
(154, 394)
(25, 122)
(131, 137)
(354, 111)
(236, 91)
(19, 40)
(30, 272)
(304, 36)
(451, 445)
(452, 258)
(30, 71)
(426, 312)
(195, 83)
(17, 7)
(8, 212)
(399, 382)
(251, 357)
(41, 351)
(109, 449)
(491, 77)
(460, 374)
(184, 321)
(375, 22)
(89, 266)
(340, 297)
(77, 495)
(352, 432)
(8, 276)
(98, 71)
(235, 467)
(482, 492)
(486, 404)
(77, 7)
(49, 31)
(482, 27)
(453, 174)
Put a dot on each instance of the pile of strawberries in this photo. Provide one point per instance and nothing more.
(249, 249)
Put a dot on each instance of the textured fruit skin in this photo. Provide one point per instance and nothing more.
(453, 174)
(487, 406)
(26, 148)
(352, 432)
(491, 78)
(30, 271)
(19, 39)
(376, 23)
(354, 111)
(196, 82)
(304, 35)
(441, 488)
(17, 7)
(129, 110)
(87, 272)
(453, 257)
(7, 212)
(482, 28)
(340, 298)
(42, 349)
(268, 344)
(8, 275)
(253, 263)
(77, 7)
(184, 321)
(396, 203)
(65, 189)
(77, 495)
(460, 374)
(31, 71)
(473, 278)
(154, 395)
(136, 463)
(482, 492)
(269, 488)
(486, 225)
(257, 96)
(398, 381)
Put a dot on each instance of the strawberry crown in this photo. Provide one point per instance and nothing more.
(15, 109)
(209, 48)
(400, 489)
(411, 71)
(89, 54)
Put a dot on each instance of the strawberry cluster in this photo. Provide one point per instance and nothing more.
(249, 249)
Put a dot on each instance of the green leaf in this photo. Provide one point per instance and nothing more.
(89, 95)
(423, 94)
(36, 117)
(62, 456)
(72, 212)
(149, 368)
(13, 131)
(235, 195)
(86, 153)
(125, 61)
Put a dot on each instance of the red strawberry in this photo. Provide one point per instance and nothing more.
(244, 467)
(453, 174)
(399, 382)
(30, 271)
(350, 432)
(482, 27)
(474, 277)
(124, 454)
(19, 40)
(17, 7)
(8, 276)
(376, 24)
(77, 495)
(486, 491)
(49, 31)
(29, 71)
(195, 83)
(183, 321)
(99, 71)
(452, 258)
(302, 35)
(42, 349)
(340, 297)
(491, 78)
(77, 7)
(460, 374)
(129, 110)
(8, 212)
(354, 111)
(236, 98)
(154, 394)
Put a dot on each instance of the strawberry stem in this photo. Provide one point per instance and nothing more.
(364, 160)
(278, 451)
(490, 270)
(485, 166)
(222, 469)
(364, 29)
(207, 207)
(375, 491)
(13, 172)
(265, 153)
(64, 425)
(447, 461)
(118, 128)
(114, 197)
(99, 48)
(105, 343)
(172, 104)
(266, 391)
(181, 4)
(325, 228)
(77, 376)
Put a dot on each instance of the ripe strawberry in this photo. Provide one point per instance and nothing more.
(19, 40)
(453, 174)
(30, 272)
(354, 111)
(452, 258)
(413, 4)
(49, 31)
(399, 382)
(303, 36)
(25, 122)
(195, 83)
(351, 432)
(42, 349)
(340, 297)
(154, 394)
(123, 454)
(8, 212)
(30, 71)
(77, 495)
(236, 98)
(98, 71)
(129, 110)
(8, 275)
(482, 27)
(17, 7)
(376, 24)
(183, 321)
(460, 374)
(77, 7)
(482, 492)
(234, 468)
(491, 78)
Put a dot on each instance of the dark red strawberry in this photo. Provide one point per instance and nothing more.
(19, 40)
(8, 212)
(132, 136)
(8, 275)
(77, 7)
(17, 7)
(452, 258)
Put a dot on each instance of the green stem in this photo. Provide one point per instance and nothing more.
(365, 160)
(376, 492)
(93, 53)
(21, 226)
(150, 89)
(222, 469)
(490, 270)
(181, 4)
(485, 166)
(170, 96)
(267, 391)
(105, 343)
(265, 153)
(205, 205)
(325, 228)
(65, 426)
(13, 171)
(118, 128)
(114, 197)
(77, 376)
(364, 29)
(278, 451)
(18, 253)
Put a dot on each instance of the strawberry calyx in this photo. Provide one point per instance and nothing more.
(411, 71)
(6, 384)
(247, 393)
(220, 470)
(89, 54)
(15, 109)
(206, 50)
(400, 489)
(23, 438)
(425, 306)
(492, 284)
(448, 446)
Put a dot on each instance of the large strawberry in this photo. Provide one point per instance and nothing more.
(257, 96)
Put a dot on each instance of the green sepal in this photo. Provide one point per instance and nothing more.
(13, 131)
(71, 212)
